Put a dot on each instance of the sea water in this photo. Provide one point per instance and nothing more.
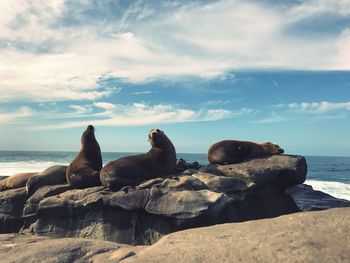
(327, 174)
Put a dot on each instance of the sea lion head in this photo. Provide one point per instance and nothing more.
(157, 138)
(88, 135)
(273, 148)
(88, 139)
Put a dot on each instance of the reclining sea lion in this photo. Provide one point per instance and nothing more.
(15, 181)
(231, 151)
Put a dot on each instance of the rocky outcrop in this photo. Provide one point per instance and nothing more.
(301, 237)
(321, 236)
(144, 213)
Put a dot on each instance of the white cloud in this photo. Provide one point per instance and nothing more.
(108, 107)
(273, 118)
(80, 109)
(217, 114)
(320, 107)
(310, 111)
(196, 39)
(142, 92)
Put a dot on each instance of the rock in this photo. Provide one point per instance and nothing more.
(211, 169)
(129, 198)
(185, 204)
(221, 183)
(32, 204)
(182, 165)
(23, 248)
(308, 199)
(279, 170)
(11, 207)
(301, 237)
(144, 213)
(179, 183)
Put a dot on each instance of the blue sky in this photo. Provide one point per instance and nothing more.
(202, 71)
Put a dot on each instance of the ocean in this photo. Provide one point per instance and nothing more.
(327, 174)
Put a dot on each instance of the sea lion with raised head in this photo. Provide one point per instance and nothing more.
(232, 151)
(159, 161)
(15, 181)
(51, 176)
(84, 170)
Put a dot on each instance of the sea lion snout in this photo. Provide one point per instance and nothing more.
(154, 131)
(90, 128)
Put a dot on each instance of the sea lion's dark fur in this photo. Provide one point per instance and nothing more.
(232, 151)
(51, 176)
(159, 161)
(84, 170)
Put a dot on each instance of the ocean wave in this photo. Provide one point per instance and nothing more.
(10, 168)
(336, 189)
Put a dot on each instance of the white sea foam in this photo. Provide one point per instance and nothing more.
(10, 168)
(336, 189)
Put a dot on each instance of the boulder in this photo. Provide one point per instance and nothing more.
(321, 236)
(308, 199)
(11, 207)
(278, 170)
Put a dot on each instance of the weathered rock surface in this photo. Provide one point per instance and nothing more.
(308, 199)
(301, 237)
(23, 248)
(279, 170)
(11, 208)
(144, 213)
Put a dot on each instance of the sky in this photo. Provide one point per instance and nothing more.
(202, 71)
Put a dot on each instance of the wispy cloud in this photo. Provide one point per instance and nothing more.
(319, 107)
(21, 113)
(143, 92)
(106, 106)
(47, 54)
(136, 114)
(310, 111)
(272, 118)
(80, 109)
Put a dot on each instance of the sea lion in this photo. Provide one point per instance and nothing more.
(84, 170)
(51, 176)
(15, 181)
(159, 161)
(231, 151)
